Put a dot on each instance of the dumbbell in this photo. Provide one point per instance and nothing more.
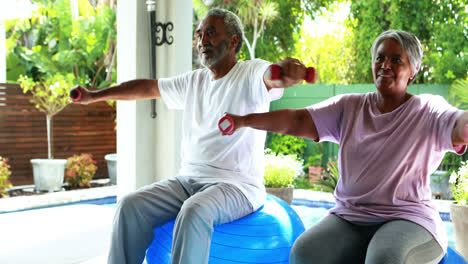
(275, 73)
(226, 125)
(75, 94)
(465, 133)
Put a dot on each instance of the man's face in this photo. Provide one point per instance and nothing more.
(212, 41)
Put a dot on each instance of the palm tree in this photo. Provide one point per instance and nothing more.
(256, 13)
(458, 93)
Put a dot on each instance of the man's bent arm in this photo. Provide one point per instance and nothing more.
(292, 72)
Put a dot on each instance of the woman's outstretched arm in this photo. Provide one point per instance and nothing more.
(294, 122)
(460, 131)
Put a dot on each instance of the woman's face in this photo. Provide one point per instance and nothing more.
(391, 68)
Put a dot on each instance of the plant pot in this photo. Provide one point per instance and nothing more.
(440, 186)
(48, 174)
(285, 193)
(459, 215)
(112, 167)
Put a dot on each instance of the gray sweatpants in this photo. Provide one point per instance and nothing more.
(196, 207)
(334, 240)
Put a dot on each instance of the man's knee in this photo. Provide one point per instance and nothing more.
(128, 203)
(191, 211)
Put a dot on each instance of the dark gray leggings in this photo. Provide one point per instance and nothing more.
(334, 240)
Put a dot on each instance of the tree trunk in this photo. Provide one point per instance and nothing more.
(74, 9)
(50, 146)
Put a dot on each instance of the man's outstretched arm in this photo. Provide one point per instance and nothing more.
(131, 90)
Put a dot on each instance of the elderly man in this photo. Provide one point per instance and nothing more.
(220, 179)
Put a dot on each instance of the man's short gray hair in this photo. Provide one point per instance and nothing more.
(408, 42)
(231, 21)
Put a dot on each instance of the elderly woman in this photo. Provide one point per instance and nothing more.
(390, 143)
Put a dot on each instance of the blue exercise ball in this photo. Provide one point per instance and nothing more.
(452, 257)
(265, 236)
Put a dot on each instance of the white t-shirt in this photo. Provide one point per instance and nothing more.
(207, 156)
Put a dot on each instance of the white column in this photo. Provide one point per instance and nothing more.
(148, 149)
(2, 52)
(172, 60)
(135, 127)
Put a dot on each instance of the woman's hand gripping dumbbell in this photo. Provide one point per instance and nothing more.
(227, 124)
(276, 73)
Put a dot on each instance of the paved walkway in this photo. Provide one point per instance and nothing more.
(62, 235)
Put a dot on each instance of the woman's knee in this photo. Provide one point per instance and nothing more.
(401, 241)
(313, 246)
(332, 240)
(302, 251)
(384, 256)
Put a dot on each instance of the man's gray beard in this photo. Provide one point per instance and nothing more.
(218, 55)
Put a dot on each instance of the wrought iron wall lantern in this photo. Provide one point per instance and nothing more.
(158, 37)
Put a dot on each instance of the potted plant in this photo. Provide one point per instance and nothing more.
(50, 96)
(280, 171)
(112, 167)
(314, 167)
(459, 210)
(80, 170)
(440, 186)
(4, 175)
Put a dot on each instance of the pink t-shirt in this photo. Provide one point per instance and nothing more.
(385, 160)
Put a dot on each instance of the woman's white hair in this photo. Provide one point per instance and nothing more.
(408, 42)
(231, 21)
